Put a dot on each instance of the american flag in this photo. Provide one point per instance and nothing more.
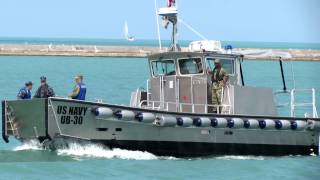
(171, 3)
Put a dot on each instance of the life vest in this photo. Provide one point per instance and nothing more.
(28, 94)
(82, 92)
(24, 93)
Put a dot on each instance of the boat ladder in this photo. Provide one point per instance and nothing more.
(295, 105)
(10, 122)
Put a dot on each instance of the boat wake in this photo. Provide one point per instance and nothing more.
(29, 145)
(98, 151)
(241, 158)
(86, 151)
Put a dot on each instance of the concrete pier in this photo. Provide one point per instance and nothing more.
(142, 51)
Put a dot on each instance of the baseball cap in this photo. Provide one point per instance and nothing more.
(43, 78)
(79, 76)
(217, 61)
(29, 83)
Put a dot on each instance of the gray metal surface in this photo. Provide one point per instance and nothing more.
(64, 122)
(28, 117)
(253, 101)
(134, 130)
(169, 92)
(183, 92)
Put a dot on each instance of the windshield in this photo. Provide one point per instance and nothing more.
(163, 67)
(226, 64)
(190, 66)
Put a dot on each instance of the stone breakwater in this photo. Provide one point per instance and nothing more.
(144, 51)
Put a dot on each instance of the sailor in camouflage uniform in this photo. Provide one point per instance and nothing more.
(44, 91)
(219, 80)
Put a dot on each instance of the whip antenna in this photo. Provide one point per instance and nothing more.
(158, 27)
(192, 29)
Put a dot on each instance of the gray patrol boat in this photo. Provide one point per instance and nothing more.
(174, 116)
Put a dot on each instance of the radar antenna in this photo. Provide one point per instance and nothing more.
(170, 15)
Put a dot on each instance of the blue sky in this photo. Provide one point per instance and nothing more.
(233, 20)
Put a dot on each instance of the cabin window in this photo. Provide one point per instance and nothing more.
(163, 67)
(190, 66)
(227, 64)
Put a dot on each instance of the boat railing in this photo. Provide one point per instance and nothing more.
(277, 94)
(160, 105)
(224, 108)
(295, 105)
(225, 94)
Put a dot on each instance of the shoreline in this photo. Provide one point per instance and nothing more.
(144, 51)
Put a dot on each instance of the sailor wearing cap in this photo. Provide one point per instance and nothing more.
(219, 80)
(44, 91)
(80, 90)
(25, 92)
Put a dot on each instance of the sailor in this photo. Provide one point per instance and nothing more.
(79, 91)
(25, 92)
(44, 91)
(219, 80)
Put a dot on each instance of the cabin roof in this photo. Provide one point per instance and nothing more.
(175, 55)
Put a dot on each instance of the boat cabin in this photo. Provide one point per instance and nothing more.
(181, 82)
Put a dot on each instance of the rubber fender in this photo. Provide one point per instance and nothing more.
(202, 122)
(125, 115)
(313, 125)
(298, 125)
(251, 124)
(167, 121)
(184, 121)
(235, 123)
(282, 124)
(219, 122)
(102, 112)
(267, 124)
(145, 117)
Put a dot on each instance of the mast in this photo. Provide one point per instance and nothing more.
(170, 15)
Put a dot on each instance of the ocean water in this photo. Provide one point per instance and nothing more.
(113, 79)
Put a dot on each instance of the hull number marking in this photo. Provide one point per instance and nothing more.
(71, 115)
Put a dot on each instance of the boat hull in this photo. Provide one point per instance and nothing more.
(197, 149)
(54, 119)
(189, 149)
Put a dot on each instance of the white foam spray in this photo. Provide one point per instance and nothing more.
(240, 158)
(98, 151)
(29, 145)
(80, 151)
